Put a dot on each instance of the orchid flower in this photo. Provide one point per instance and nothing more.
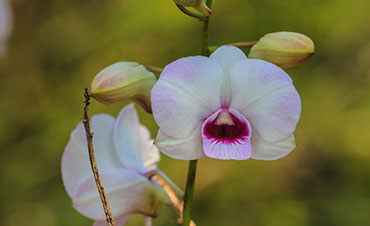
(124, 154)
(5, 24)
(225, 107)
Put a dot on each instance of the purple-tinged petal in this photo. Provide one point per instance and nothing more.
(127, 192)
(226, 135)
(187, 91)
(131, 142)
(188, 148)
(263, 150)
(227, 57)
(266, 96)
(75, 161)
(120, 221)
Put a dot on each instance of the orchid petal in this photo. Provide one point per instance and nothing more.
(227, 148)
(188, 148)
(263, 150)
(75, 161)
(266, 96)
(127, 139)
(187, 91)
(120, 221)
(149, 153)
(127, 192)
(227, 57)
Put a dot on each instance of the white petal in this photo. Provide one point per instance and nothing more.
(127, 138)
(75, 161)
(188, 148)
(263, 150)
(265, 95)
(187, 91)
(127, 192)
(120, 221)
(148, 151)
(227, 57)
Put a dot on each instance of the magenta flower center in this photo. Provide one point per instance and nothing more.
(226, 128)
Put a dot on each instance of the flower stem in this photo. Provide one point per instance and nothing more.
(205, 48)
(189, 191)
(190, 181)
(174, 196)
(94, 167)
(154, 69)
(236, 44)
(172, 185)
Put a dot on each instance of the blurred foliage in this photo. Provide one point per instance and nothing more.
(58, 46)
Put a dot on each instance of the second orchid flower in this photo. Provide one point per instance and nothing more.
(124, 154)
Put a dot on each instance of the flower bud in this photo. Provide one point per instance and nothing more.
(199, 5)
(285, 49)
(124, 81)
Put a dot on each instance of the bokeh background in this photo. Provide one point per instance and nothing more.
(58, 46)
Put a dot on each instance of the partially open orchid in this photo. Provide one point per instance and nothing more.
(5, 24)
(225, 107)
(124, 154)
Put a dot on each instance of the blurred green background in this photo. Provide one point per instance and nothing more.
(58, 46)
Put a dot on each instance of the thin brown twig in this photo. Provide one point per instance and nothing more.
(94, 167)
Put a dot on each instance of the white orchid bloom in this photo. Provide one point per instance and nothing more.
(225, 107)
(124, 154)
(5, 24)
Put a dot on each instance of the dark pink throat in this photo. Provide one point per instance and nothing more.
(226, 128)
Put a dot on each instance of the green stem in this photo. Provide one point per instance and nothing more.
(154, 69)
(189, 191)
(236, 44)
(190, 181)
(205, 48)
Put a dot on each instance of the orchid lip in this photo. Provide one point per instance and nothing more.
(226, 127)
(226, 135)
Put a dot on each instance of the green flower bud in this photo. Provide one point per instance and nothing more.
(285, 49)
(124, 81)
(199, 5)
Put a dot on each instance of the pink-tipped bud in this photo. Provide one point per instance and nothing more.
(199, 5)
(285, 49)
(124, 81)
